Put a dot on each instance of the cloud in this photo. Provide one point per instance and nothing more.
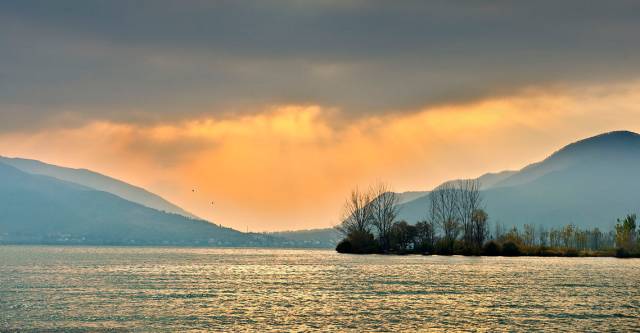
(69, 62)
(275, 109)
(290, 166)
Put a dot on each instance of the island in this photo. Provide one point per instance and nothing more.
(458, 225)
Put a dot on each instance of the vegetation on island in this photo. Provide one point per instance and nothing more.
(457, 224)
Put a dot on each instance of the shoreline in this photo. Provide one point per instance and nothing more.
(590, 254)
(601, 255)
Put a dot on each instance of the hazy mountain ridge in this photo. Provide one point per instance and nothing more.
(97, 181)
(488, 180)
(39, 209)
(594, 149)
(590, 183)
(410, 196)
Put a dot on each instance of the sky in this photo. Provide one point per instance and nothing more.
(274, 110)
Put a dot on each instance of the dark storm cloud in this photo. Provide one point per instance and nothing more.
(66, 61)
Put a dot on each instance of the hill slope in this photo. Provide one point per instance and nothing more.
(96, 181)
(608, 149)
(589, 183)
(488, 180)
(43, 209)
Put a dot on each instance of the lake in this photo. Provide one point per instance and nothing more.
(183, 289)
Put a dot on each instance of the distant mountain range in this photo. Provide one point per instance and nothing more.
(97, 181)
(589, 183)
(41, 204)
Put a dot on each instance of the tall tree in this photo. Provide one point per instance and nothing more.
(357, 215)
(626, 233)
(554, 237)
(444, 212)
(567, 235)
(480, 228)
(596, 239)
(499, 232)
(468, 201)
(581, 237)
(384, 210)
(543, 236)
(529, 234)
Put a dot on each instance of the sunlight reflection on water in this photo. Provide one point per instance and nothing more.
(180, 289)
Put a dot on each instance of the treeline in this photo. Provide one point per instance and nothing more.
(457, 224)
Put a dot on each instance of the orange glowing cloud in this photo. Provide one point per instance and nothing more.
(289, 166)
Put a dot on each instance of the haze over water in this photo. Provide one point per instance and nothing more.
(182, 289)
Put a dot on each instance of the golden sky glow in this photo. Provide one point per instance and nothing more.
(290, 166)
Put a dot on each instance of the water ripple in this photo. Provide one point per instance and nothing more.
(179, 289)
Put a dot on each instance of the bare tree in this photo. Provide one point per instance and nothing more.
(543, 236)
(384, 210)
(553, 237)
(499, 233)
(596, 239)
(567, 235)
(529, 235)
(468, 201)
(444, 212)
(581, 238)
(479, 228)
(357, 215)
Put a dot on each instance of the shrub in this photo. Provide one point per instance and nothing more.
(402, 235)
(443, 247)
(491, 248)
(622, 253)
(571, 252)
(535, 251)
(344, 246)
(510, 249)
(358, 242)
(551, 252)
(469, 251)
(459, 247)
(424, 247)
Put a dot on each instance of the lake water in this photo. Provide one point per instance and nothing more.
(182, 289)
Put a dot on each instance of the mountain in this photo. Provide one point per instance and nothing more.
(589, 183)
(96, 181)
(488, 180)
(410, 196)
(38, 209)
(609, 149)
